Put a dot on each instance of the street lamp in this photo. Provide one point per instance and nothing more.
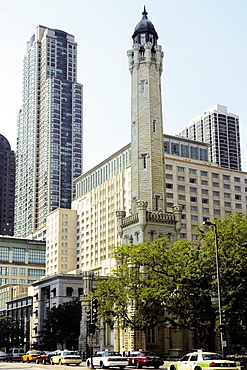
(209, 223)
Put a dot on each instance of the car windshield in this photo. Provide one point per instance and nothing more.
(111, 353)
(212, 356)
(144, 354)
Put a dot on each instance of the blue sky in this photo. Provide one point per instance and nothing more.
(205, 45)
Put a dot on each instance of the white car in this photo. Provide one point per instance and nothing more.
(200, 360)
(106, 359)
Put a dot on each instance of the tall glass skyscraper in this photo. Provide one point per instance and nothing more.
(49, 137)
(7, 187)
(220, 129)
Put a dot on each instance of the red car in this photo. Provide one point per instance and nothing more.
(44, 357)
(144, 358)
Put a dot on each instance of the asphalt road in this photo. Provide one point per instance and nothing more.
(34, 366)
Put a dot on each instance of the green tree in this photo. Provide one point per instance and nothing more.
(232, 249)
(12, 332)
(175, 283)
(158, 283)
(62, 326)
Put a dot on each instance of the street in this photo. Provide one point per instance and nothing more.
(32, 365)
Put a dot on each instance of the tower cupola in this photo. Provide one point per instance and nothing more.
(144, 31)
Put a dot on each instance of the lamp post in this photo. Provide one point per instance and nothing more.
(209, 223)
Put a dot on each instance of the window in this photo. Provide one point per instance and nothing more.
(216, 203)
(168, 166)
(35, 273)
(169, 176)
(69, 291)
(226, 177)
(216, 193)
(215, 175)
(180, 169)
(194, 218)
(204, 173)
(215, 184)
(18, 255)
(193, 208)
(194, 236)
(151, 338)
(183, 235)
(4, 254)
(144, 159)
(192, 171)
(36, 256)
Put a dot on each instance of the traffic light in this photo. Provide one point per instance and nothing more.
(91, 328)
(223, 316)
(89, 315)
(94, 310)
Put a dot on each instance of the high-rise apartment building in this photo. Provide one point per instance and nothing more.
(49, 143)
(220, 129)
(7, 187)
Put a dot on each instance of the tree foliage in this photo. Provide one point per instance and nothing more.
(62, 326)
(12, 332)
(174, 284)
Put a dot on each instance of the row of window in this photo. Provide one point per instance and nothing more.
(214, 175)
(18, 255)
(22, 272)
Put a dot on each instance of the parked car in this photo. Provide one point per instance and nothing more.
(45, 357)
(144, 358)
(106, 359)
(199, 360)
(30, 356)
(15, 354)
(3, 356)
(66, 357)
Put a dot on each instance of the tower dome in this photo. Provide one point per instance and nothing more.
(145, 31)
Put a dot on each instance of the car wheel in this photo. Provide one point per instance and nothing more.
(138, 365)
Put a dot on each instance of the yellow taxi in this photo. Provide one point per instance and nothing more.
(66, 357)
(30, 356)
